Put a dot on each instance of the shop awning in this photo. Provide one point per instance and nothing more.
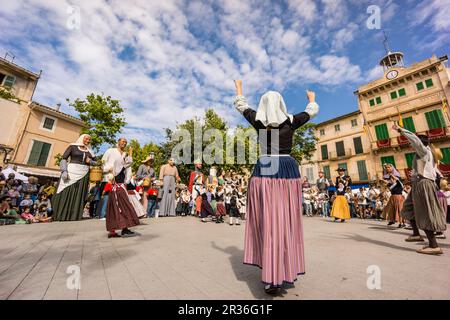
(31, 171)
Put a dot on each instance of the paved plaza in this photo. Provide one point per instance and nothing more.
(181, 258)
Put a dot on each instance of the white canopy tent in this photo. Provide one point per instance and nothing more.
(18, 176)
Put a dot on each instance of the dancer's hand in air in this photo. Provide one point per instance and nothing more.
(238, 84)
(311, 96)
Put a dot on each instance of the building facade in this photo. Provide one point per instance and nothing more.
(342, 144)
(362, 141)
(31, 134)
(415, 96)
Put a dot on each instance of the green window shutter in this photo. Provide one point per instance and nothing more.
(372, 102)
(358, 145)
(343, 165)
(340, 150)
(430, 120)
(420, 86)
(382, 132)
(9, 81)
(394, 95)
(378, 100)
(44, 154)
(435, 119)
(440, 117)
(35, 153)
(324, 149)
(402, 92)
(362, 170)
(327, 172)
(409, 159)
(408, 124)
(389, 159)
(429, 83)
(446, 154)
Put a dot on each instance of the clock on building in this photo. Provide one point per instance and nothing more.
(392, 74)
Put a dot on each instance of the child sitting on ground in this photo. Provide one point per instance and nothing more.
(42, 214)
(27, 216)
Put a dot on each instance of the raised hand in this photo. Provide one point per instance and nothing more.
(395, 126)
(238, 85)
(311, 96)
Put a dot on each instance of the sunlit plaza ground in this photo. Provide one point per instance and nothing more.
(181, 258)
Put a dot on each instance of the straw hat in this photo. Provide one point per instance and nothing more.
(149, 158)
(437, 154)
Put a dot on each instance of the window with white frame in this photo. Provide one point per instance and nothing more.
(7, 81)
(48, 123)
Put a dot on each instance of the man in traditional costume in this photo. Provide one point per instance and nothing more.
(120, 213)
(145, 177)
(196, 183)
(422, 207)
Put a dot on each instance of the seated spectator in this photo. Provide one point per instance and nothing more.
(44, 200)
(14, 194)
(27, 202)
(7, 214)
(42, 215)
(3, 189)
(27, 216)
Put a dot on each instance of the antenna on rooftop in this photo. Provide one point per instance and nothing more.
(9, 54)
(386, 43)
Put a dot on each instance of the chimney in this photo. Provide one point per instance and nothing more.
(58, 106)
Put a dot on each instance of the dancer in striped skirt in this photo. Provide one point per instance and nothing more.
(273, 231)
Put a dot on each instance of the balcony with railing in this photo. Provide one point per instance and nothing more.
(438, 134)
(344, 154)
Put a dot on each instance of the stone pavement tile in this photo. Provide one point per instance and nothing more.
(94, 284)
(17, 245)
(58, 288)
(120, 282)
(35, 284)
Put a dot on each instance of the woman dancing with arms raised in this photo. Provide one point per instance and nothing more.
(274, 232)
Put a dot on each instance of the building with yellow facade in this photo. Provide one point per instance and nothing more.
(31, 134)
(362, 141)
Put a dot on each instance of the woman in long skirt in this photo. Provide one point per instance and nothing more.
(69, 200)
(341, 209)
(273, 230)
(393, 209)
(169, 175)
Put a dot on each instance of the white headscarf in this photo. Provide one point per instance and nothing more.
(80, 143)
(272, 110)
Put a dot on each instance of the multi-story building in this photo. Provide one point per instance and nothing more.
(362, 141)
(342, 143)
(417, 95)
(31, 134)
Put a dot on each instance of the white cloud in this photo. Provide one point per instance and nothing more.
(185, 54)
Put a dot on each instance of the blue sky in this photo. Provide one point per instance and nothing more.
(170, 60)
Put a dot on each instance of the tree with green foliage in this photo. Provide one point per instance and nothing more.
(104, 117)
(304, 142)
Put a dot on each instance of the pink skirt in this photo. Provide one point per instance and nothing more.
(274, 230)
